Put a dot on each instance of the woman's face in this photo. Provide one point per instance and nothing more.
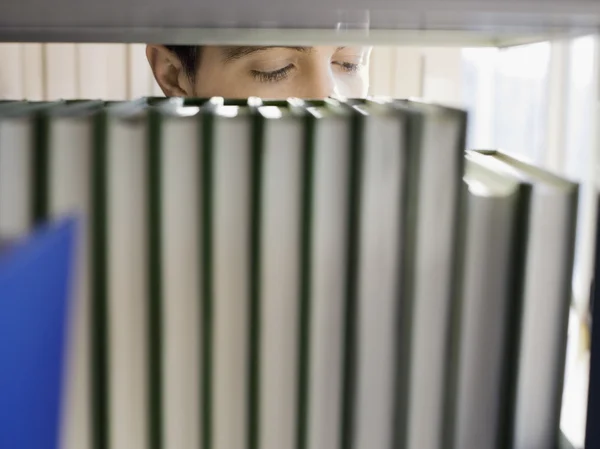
(266, 72)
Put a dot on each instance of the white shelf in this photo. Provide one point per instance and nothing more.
(408, 22)
(253, 36)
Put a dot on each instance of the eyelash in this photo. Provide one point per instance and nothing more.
(281, 74)
(273, 77)
(348, 66)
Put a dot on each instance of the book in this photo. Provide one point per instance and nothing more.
(493, 236)
(120, 223)
(326, 205)
(18, 139)
(383, 181)
(65, 188)
(544, 304)
(227, 192)
(34, 334)
(435, 196)
(180, 142)
(16, 155)
(280, 205)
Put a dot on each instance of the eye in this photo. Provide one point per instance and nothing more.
(348, 66)
(274, 76)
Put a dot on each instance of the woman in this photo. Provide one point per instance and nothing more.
(266, 72)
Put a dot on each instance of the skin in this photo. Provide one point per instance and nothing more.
(266, 72)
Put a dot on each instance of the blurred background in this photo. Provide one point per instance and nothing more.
(534, 101)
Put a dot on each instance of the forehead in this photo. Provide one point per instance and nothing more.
(232, 53)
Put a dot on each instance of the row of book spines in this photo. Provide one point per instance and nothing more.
(154, 269)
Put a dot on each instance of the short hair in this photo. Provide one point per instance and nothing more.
(189, 55)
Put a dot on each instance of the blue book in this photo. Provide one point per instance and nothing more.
(34, 291)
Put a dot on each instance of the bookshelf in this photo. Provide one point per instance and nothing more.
(454, 22)
(487, 23)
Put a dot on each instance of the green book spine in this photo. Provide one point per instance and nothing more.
(452, 381)
(88, 201)
(154, 279)
(255, 287)
(39, 169)
(206, 243)
(99, 283)
(413, 140)
(450, 387)
(352, 269)
(304, 310)
(515, 312)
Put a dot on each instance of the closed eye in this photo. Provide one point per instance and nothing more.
(348, 66)
(273, 76)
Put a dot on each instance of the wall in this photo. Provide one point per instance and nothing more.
(54, 71)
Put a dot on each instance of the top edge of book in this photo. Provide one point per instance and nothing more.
(58, 108)
(525, 170)
(23, 109)
(430, 107)
(75, 109)
(483, 180)
(382, 106)
(136, 109)
(267, 108)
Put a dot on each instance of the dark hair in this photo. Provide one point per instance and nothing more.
(189, 55)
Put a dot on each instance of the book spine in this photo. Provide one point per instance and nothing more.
(206, 262)
(256, 178)
(99, 283)
(413, 140)
(352, 270)
(154, 180)
(459, 251)
(304, 303)
(39, 170)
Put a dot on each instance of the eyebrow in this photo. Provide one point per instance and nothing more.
(233, 53)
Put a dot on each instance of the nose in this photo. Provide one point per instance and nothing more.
(320, 82)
